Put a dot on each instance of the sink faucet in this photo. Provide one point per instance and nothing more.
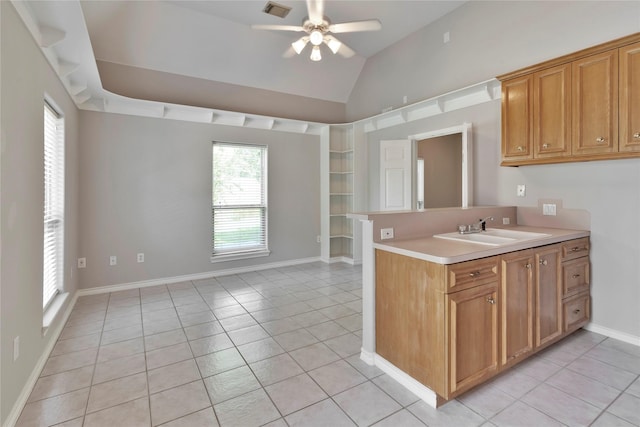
(475, 228)
(483, 222)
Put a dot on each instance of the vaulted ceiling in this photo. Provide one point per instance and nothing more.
(213, 40)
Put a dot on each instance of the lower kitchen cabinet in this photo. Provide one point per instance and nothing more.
(473, 335)
(517, 297)
(548, 283)
(576, 311)
(452, 327)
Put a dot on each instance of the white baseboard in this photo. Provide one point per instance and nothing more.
(21, 401)
(368, 357)
(423, 392)
(612, 333)
(196, 276)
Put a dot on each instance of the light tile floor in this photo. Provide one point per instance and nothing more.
(280, 347)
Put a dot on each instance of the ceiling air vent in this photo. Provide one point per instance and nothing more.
(276, 9)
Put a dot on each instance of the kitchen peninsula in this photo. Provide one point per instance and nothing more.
(442, 316)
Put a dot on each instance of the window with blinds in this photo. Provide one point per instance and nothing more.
(239, 199)
(52, 275)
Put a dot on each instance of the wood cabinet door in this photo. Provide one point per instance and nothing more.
(548, 294)
(552, 112)
(517, 118)
(630, 98)
(473, 335)
(516, 306)
(595, 104)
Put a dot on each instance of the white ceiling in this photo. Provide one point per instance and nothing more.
(213, 40)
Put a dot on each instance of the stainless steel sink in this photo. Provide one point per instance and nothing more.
(493, 236)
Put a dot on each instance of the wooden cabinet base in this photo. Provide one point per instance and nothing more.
(452, 327)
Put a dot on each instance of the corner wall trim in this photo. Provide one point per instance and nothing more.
(196, 276)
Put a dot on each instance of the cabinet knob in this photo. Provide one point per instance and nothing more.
(575, 276)
(636, 135)
(491, 300)
(546, 145)
(520, 148)
(474, 274)
(600, 139)
(543, 262)
(527, 266)
(576, 311)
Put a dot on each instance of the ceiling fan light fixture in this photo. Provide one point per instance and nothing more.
(315, 54)
(300, 44)
(316, 37)
(334, 44)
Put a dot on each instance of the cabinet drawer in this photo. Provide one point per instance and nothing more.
(575, 276)
(575, 311)
(575, 248)
(472, 273)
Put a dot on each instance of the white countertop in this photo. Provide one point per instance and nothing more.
(443, 251)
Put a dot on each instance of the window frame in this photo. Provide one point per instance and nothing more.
(53, 204)
(247, 252)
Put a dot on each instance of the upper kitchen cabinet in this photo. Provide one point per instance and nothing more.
(595, 104)
(552, 112)
(629, 136)
(517, 119)
(579, 107)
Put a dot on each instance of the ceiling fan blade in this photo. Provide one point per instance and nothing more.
(345, 51)
(278, 27)
(289, 53)
(315, 8)
(349, 27)
(337, 46)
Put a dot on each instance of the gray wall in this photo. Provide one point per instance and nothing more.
(146, 187)
(490, 38)
(25, 77)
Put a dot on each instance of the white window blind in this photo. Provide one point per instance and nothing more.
(53, 204)
(239, 199)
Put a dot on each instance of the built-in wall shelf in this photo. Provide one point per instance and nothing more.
(339, 168)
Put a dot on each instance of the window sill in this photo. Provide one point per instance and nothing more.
(237, 256)
(52, 311)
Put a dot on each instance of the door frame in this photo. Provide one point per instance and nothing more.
(467, 159)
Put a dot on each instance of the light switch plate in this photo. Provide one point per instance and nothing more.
(521, 190)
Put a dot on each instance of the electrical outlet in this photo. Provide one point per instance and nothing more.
(113, 260)
(506, 221)
(318, 239)
(16, 348)
(82, 262)
(140, 257)
(549, 209)
(521, 190)
(386, 233)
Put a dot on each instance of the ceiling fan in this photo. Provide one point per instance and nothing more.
(319, 30)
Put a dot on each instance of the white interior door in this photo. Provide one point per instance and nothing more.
(395, 175)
